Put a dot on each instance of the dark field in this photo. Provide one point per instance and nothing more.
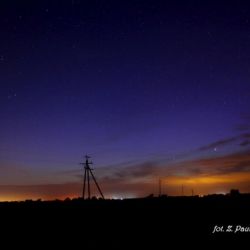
(116, 224)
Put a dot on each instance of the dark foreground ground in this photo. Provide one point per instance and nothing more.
(155, 223)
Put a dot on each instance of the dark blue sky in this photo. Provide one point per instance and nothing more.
(128, 82)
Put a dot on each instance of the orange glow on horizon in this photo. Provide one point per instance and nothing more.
(208, 180)
(171, 185)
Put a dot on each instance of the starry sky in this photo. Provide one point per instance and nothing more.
(149, 89)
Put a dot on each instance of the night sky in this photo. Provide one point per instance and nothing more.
(149, 89)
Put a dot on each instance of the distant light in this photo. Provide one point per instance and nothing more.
(117, 198)
(221, 192)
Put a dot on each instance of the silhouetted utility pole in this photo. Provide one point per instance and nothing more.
(192, 192)
(159, 187)
(87, 172)
(182, 190)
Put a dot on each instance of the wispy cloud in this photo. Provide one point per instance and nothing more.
(245, 143)
(231, 169)
(241, 139)
(218, 143)
(206, 175)
(137, 171)
(232, 163)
